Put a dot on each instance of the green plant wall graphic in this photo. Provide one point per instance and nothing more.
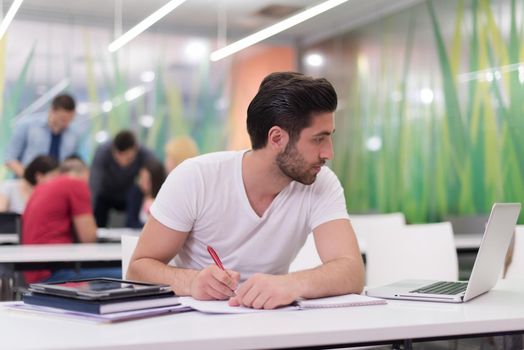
(432, 117)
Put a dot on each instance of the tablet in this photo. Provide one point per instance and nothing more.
(99, 288)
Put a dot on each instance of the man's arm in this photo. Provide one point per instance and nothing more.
(85, 228)
(16, 167)
(15, 149)
(157, 245)
(4, 202)
(341, 272)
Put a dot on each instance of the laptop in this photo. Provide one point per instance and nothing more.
(485, 273)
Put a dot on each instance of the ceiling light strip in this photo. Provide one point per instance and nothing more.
(146, 23)
(45, 98)
(274, 29)
(9, 17)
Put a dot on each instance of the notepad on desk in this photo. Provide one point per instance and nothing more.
(222, 307)
(346, 300)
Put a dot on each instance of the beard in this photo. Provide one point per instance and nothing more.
(293, 165)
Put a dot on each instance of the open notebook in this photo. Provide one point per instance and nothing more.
(222, 307)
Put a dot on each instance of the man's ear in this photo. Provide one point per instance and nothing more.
(277, 138)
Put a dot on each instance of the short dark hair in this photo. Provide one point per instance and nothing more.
(64, 101)
(73, 164)
(124, 140)
(41, 164)
(158, 174)
(288, 100)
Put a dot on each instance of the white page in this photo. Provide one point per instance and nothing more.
(222, 306)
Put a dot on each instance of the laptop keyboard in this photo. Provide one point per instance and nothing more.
(449, 288)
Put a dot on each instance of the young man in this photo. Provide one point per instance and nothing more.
(113, 173)
(257, 207)
(47, 134)
(59, 211)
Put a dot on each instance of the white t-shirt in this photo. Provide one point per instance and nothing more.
(206, 197)
(11, 190)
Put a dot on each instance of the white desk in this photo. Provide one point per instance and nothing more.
(462, 241)
(60, 252)
(498, 311)
(106, 234)
(115, 234)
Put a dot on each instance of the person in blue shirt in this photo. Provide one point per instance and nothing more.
(49, 134)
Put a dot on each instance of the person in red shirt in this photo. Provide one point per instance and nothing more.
(59, 212)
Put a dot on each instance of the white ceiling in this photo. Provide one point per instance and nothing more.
(200, 17)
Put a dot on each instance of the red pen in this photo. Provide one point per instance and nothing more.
(216, 259)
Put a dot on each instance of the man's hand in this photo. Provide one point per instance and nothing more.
(212, 283)
(263, 291)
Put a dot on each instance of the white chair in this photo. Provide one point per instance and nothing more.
(308, 257)
(425, 251)
(128, 247)
(129, 243)
(363, 224)
(516, 266)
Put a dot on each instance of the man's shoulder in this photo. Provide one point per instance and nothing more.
(65, 181)
(37, 120)
(104, 147)
(217, 157)
(215, 164)
(325, 180)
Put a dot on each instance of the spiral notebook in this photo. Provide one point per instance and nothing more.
(222, 307)
(339, 301)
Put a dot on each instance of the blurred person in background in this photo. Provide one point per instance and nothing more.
(14, 193)
(150, 178)
(59, 212)
(179, 149)
(44, 133)
(113, 173)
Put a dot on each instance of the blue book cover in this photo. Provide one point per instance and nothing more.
(101, 306)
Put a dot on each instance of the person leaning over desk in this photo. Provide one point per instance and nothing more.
(59, 212)
(256, 208)
(44, 133)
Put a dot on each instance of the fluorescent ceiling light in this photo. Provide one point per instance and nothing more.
(9, 16)
(274, 29)
(314, 60)
(146, 23)
(45, 98)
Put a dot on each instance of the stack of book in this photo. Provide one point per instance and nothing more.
(101, 307)
(104, 300)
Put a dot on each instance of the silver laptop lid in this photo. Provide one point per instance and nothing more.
(493, 248)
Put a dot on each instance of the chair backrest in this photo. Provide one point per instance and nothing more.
(11, 223)
(128, 247)
(425, 251)
(129, 243)
(308, 257)
(516, 265)
(468, 224)
(365, 223)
